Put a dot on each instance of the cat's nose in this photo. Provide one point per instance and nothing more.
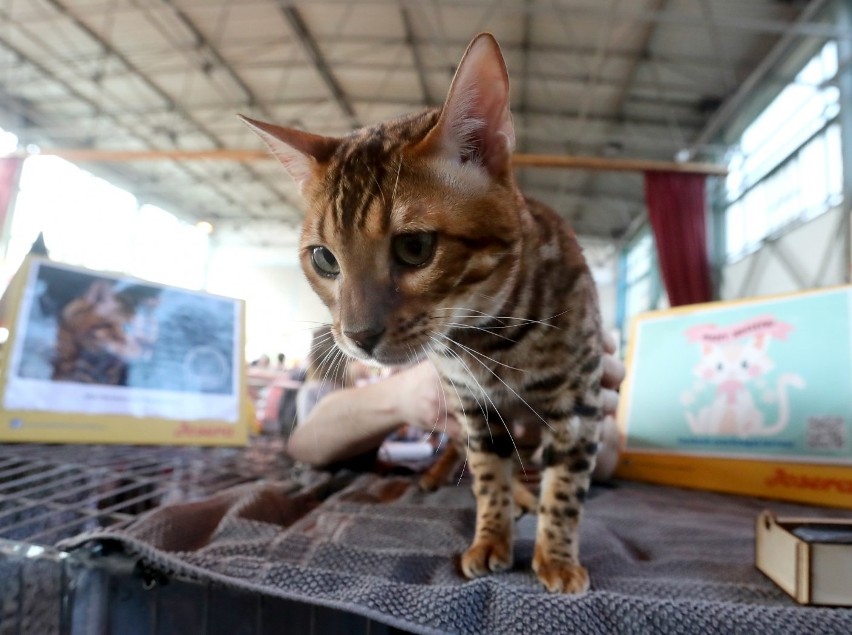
(366, 339)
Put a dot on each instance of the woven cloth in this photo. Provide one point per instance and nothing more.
(662, 560)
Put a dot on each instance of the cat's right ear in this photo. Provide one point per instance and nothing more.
(301, 153)
(475, 123)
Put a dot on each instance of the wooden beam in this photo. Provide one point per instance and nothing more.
(615, 165)
(520, 160)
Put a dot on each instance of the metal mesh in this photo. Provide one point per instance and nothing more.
(51, 492)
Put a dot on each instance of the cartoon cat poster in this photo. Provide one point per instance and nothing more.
(767, 377)
(735, 363)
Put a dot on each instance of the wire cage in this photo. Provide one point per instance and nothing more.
(52, 492)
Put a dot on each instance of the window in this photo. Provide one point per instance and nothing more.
(788, 165)
(88, 221)
(641, 285)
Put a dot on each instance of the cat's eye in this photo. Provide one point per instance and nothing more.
(744, 364)
(324, 262)
(414, 250)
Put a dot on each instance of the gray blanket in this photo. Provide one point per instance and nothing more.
(662, 560)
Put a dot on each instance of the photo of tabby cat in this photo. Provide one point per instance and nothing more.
(421, 244)
(100, 332)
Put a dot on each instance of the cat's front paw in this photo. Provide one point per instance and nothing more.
(488, 555)
(560, 576)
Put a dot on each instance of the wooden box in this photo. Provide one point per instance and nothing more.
(809, 558)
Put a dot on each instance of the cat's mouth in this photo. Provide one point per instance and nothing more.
(385, 354)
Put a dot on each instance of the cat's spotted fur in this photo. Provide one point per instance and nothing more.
(420, 243)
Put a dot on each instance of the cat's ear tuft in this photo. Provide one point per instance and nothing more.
(475, 123)
(299, 152)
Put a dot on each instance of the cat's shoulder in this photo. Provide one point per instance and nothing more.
(547, 216)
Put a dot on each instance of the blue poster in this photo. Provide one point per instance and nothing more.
(768, 379)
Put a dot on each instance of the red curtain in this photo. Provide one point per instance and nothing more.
(10, 167)
(676, 207)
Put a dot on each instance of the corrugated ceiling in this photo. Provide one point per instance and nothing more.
(624, 78)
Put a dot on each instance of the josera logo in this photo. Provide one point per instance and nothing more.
(205, 431)
(785, 479)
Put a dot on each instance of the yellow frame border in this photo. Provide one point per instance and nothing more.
(75, 427)
(818, 483)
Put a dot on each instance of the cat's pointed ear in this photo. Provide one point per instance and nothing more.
(475, 123)
(299, 152)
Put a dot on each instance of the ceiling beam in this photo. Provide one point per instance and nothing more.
(726, 112)
(537, 116)
(419, 66)
(519, 160)
(201, 42)
(244, 52)
(312, 49)
(598, 11)
(108, 49)
(63, 82)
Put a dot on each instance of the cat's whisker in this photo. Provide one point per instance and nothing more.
(479, 328)
(438, 414)
(330, 356)
(483, 355)
(497, 410)
(543, 322)
(482, 407)
(312, 326)
(375, 180)
(464, 417)
(447, 321)
(443, 394)
(396, 182)
(500, 379)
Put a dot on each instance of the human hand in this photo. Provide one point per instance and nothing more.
(613, 375)
(421, 400)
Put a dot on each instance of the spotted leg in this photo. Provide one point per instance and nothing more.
(569, 457)
(489, 459)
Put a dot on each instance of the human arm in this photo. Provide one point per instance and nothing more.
(349, 422)
(352, 421)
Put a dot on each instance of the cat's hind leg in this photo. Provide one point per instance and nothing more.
(525, 500)
(443, 468)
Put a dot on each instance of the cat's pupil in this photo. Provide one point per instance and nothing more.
(324, 262)
(744, 364)
(719, 366)
(414, 249)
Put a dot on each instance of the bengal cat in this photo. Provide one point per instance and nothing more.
(420, 243)
(94, 338)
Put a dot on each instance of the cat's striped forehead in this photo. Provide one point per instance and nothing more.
(366, 167)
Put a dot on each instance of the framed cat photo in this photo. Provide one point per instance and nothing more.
(101, 358)
(751, 397)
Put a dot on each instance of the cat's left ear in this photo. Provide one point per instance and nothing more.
(301, 153)
(475, 123)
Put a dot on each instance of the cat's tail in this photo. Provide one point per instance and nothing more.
(788, 379)
(696, 423)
